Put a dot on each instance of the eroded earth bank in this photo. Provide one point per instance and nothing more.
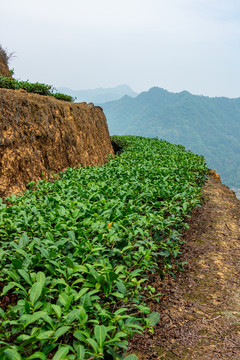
(40, 135)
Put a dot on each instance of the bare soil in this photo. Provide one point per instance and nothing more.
(200, 309)
(4, 70)
(40, 135)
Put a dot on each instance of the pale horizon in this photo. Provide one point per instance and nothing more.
(176, 45)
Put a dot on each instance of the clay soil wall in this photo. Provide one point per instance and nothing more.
(41, 135)
(4, 70)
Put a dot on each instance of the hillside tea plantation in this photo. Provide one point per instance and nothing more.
(76, 253)
(36, 88)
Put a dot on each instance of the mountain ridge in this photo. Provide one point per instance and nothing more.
(209, 126)
(100, 94)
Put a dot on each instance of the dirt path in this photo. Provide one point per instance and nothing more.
(200, 310)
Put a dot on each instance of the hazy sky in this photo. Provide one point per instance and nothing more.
(178, 45)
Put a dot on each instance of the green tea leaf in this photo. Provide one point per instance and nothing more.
(120, 311)
(41, 278)
(23, 241)
(2, 313)
(45, 335)
(81, 293)
(81, 335)
(60, 331)
(12, 285)
(24, 337)
(93, 344)
(131, 357)
(118, 295)
(80, 268)
(64, 299)
(37, 355)
(72, 235)
(153, 318)
(25, 276)
(121, 288)
(35, 292)
(29, 319)
(12, 354)
(8, 287)
(57, 310)
(80, 352)
(100, 334)
(73, 315)
(61, 353)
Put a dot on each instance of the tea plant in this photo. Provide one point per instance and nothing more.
(37, 88)
(76, 253)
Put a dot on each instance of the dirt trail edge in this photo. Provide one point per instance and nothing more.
(200, 309)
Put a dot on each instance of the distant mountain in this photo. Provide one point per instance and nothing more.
(99, 95)
(204, 125)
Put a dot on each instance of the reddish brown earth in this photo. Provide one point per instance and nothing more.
(40, 135)
(4, 70)
(200, 309)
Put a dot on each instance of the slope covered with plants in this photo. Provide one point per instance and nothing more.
(36, 88)
(76, 253)
(204, 125)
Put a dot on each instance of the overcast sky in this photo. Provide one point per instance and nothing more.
(178, 45)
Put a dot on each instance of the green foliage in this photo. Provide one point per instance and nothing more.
(119, 144)
(76, 253)
(41, 89)
(204, 125)
(64, 97)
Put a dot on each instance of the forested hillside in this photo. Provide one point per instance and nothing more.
(204, 125)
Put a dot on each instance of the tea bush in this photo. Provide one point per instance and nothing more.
(37, 88)
(76, 253)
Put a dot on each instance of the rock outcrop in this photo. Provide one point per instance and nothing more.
(40, 135)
